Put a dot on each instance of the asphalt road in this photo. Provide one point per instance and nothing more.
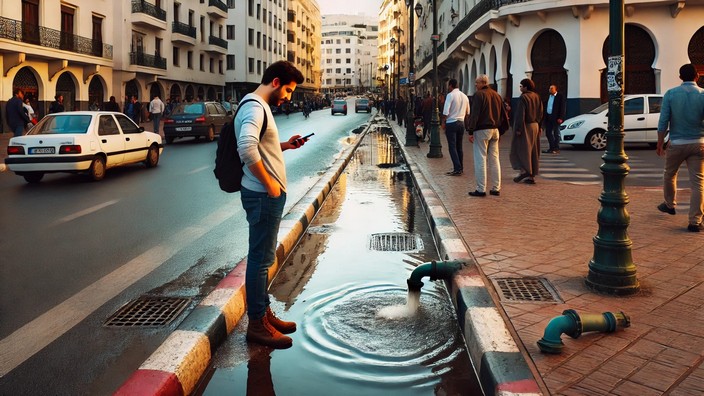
(74, 251)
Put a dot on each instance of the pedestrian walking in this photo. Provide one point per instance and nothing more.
(17, 117)
(131, 109)
(525, 146)
(57, 106)
(401, 110)
(455, 109)
(30, 112)
(682, 115)
(555, 110)
(427, 114)
(112, 105)
(483, 128)
(263, 195)
(156, 109)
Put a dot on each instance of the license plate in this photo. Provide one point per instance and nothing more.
(42, 150)
(183, 129)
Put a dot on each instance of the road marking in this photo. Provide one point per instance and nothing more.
(574, 175)
(84, 212)
(202, 168)
(31, 338)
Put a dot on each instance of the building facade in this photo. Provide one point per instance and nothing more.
(256, 34)
(303, 37)
(89, 50)
(392, 58)
(563, 43)
(349, 54)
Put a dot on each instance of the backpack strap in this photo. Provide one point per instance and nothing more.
(264, 124)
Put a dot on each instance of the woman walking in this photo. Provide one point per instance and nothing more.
(525, 146)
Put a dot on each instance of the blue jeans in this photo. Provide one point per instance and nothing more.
(455, 133)
(156, 117)
(552, 132)
(264, 216)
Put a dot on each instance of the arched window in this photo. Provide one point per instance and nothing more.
(548, 59)
(639, 56)
(695, 50)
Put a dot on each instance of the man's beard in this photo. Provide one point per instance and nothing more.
(275, 97)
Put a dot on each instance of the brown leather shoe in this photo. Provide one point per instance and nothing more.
(280, 325)
(261, 332)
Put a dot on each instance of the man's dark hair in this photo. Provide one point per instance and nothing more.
(688, 72)
(17, 91)
(285, 71)
(452, 83)
(528, 83)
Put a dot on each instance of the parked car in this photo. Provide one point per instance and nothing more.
(196, 119)
(81, 141)
(362, 105)
(339, 106)
(640, 123)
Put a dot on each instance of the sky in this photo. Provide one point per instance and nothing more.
(349, 7)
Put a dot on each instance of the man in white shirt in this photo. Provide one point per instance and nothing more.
(455, 110)
(156, 108)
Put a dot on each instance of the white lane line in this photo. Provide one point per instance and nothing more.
(571, 175)
(85, 212)
(202, 168)
(553, 169)
(37, 334)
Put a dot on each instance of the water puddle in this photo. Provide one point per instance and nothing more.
(359, 331)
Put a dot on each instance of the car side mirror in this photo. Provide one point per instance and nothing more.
(141, 129)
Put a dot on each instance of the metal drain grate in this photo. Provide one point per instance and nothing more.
(526, 290)
(395, 242)
(148, 312)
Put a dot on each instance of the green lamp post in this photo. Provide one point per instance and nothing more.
(611, 270)
(411, 138)
(435, 146)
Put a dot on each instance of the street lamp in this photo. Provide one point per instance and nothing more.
(394, 66)
(411, 138)
(435, 146)
(611, 269)
(344, 84)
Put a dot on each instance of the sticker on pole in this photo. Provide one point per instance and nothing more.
(614, 76)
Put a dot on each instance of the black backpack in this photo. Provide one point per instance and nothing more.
(228, 165)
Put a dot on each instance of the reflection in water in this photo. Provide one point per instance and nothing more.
(259, 381)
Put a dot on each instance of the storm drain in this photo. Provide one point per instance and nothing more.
(526, 290)
(395, 242)
(148, 312)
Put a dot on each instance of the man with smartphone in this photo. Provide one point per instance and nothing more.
(263, 195)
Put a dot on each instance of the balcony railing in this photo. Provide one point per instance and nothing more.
(142, 59)
(182, 28)
(219, 4)
(217, 41)
(51, 38)
(474, 14)
(143, 7)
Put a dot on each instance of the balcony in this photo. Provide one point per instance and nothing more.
(142, 59)
(148, 15)
(217, 9)
(183, 33)
(50, 38)
(216, 45)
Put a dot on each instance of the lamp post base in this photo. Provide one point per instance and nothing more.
(411, 138)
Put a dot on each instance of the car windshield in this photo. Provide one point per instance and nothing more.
(62, 124)
(191, 108)
(599, 109)
(362, 101)
(340, 102)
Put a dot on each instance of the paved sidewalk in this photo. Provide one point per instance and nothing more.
(546, 230)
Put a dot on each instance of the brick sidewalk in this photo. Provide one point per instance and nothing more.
(546, 230)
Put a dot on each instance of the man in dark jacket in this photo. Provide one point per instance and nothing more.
(554, 115)
(17, 118)
(57, 106)
(401, 110)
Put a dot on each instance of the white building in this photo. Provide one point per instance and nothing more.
(304, 45)
(256, 34)
(559, 42)
(349, 53)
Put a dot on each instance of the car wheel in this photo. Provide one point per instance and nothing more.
(653, 145)
(332, 113)
(211, 134)
(33, 177)
(97, 169)
(345, 113)
(596, 140)
(169, 139)
(152, 157)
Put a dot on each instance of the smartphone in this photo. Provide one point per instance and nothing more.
(307, 136)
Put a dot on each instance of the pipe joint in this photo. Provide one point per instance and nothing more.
(434, 270)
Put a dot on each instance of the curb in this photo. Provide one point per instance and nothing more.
(501, 366)
(177, 366)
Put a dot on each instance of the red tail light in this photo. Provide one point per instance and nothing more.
(345, 107)
(70, 149)
(15, 150)
(168, 121)
(200, 119)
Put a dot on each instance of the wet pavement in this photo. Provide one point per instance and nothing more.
(334, 285)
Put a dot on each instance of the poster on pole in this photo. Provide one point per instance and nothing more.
(614, 76)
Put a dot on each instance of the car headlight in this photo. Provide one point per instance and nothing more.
(575, 124)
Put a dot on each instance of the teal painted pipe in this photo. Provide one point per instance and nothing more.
(435, 270)
(572, 324)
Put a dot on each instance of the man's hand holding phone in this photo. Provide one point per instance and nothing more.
(297, 141)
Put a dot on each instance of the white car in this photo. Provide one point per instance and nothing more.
(81, 141)
(640, 123)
